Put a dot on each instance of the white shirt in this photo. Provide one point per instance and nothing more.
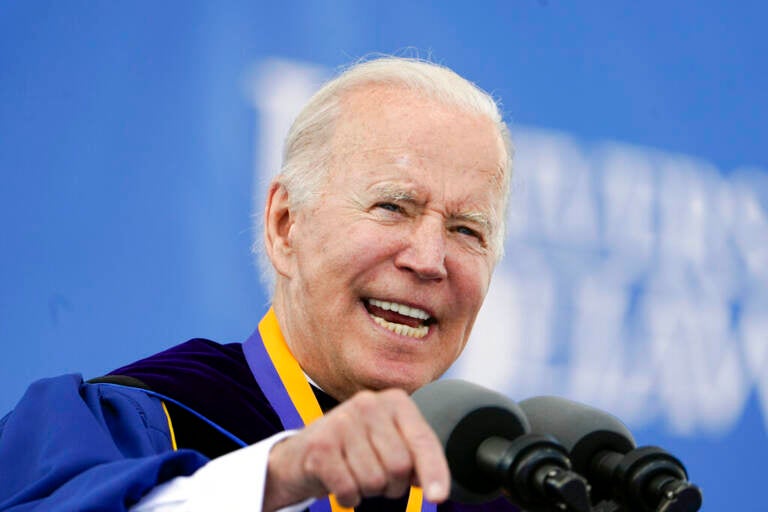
(233, 482)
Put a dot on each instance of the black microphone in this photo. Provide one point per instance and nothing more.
(489, 450)
(646, 479)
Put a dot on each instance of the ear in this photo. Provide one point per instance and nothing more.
(278, 222)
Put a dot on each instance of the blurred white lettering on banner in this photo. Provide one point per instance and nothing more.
(633, 279)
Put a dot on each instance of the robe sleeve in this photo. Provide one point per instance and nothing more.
(69, 445)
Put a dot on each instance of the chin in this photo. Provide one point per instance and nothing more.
(405, 379)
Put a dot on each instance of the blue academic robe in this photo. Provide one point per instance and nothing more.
(70, 445)
(74, 446)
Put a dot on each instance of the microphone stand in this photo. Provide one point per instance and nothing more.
(535, 473)
(646, 479)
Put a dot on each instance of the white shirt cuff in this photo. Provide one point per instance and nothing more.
(233, 482)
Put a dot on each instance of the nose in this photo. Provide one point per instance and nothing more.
(424, 250)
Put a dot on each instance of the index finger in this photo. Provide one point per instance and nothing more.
(430, 464)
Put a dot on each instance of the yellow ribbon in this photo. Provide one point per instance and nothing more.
(301, 392)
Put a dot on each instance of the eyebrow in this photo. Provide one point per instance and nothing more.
(396, 193)
(478, 218)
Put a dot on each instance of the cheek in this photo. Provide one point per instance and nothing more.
(472, 278)
(369, 241)
(338, 257)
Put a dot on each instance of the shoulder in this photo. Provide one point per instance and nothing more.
(197, 359)
(65, 407)
(213, 379)
(71, 445)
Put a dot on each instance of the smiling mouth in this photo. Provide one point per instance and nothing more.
(399, 318)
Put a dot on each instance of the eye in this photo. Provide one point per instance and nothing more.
(391, 207)
(467, 231)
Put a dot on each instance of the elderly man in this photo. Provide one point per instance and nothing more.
(383, 229)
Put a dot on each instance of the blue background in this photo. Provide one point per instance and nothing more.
(131, 147)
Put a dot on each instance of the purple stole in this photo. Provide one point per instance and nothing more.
(280, 378)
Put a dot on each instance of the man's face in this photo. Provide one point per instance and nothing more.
(389, 266)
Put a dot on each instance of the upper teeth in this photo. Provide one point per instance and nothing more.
(399, 308)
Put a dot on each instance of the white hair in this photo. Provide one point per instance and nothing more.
(307, 147)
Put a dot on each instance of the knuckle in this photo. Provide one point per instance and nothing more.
(347, 494)
(374, 484)
(365, 402)
(339, 421)
(317, 454)
(397, 395)
(400, 467)
(320, 446)
(423, 439)
(312, 463)
(400, 403)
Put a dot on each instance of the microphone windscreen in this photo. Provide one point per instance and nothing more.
(582, 430)
(463, 415)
